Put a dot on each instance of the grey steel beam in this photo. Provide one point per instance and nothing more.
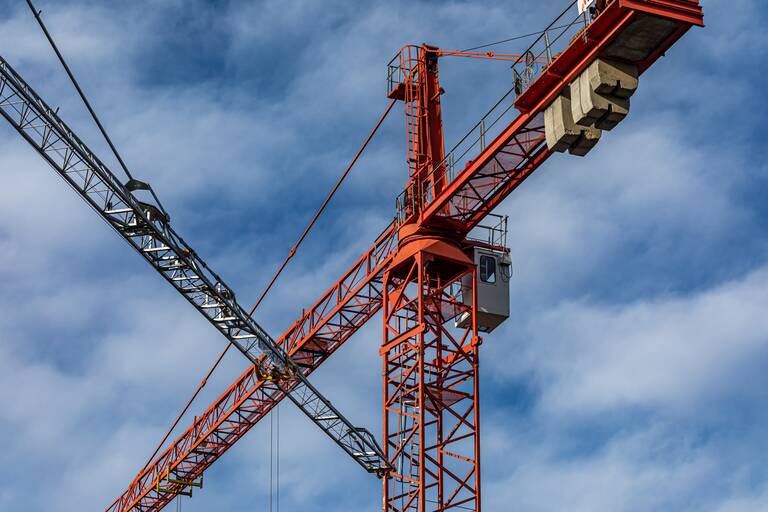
(148, 230)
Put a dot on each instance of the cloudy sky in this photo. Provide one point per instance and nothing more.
(632, 375)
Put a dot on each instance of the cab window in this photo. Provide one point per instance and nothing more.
(488, 269)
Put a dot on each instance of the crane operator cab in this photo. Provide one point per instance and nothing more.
(494, 270)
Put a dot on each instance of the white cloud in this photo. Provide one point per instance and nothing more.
(636, 471)
(89, 33)
(218, 152)
(671, 352)
(747, 503)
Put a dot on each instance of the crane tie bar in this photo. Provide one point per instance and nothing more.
(292, 252)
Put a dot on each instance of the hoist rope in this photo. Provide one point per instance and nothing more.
(274, 459)
(277, 459)
(274, 278)
(271, 456)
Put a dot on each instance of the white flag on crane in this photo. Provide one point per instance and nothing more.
(583, 4)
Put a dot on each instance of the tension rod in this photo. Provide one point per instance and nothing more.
(272, 282)
(509, 57)
(132, 183)
(71, 76)
(292, 252)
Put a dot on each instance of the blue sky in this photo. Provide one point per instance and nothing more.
(630, 377)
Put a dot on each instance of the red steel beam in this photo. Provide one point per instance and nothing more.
(686, 11)
(513, 156)
(431, 404)
(565, 68)
(321, 330)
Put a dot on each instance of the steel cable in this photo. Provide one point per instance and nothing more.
(274, 278)
(516, 38)
(88, 106)
(293, 250)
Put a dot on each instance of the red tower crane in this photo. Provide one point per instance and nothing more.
(421, 272)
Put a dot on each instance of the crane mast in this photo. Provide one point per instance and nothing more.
(430, 369)
(498, 154)
(419, 272)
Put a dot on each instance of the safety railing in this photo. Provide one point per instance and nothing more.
(492, 233)
(402, 67)
(554, 39)
(459, 157)
(550, 43)
(395, 73)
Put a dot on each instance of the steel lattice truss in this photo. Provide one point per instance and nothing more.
(341, 311)
(148, 231)
(431, 409)
(432, 448)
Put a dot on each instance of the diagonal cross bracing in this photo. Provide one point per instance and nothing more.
(311, 340)
(148, 231)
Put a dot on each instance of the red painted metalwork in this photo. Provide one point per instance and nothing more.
(520, 148)
(431, 398)
(418, 87)
(320, 331)
(431, 415)
(685, 11)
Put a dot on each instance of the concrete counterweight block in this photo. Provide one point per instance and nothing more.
(587, 140)
(593, 109)
(563, 134)
(561, 131)
(613, 78)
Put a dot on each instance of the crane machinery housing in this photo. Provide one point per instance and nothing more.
(437, 276)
